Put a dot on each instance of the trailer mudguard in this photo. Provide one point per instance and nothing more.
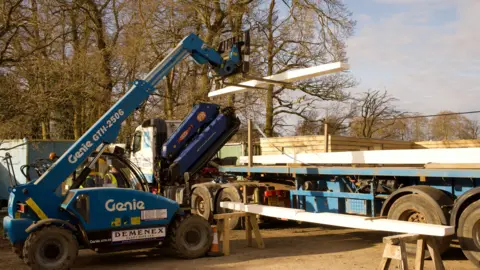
(463, 202)
(200, 116)
(435, 196)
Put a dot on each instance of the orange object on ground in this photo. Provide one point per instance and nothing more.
(215, 249)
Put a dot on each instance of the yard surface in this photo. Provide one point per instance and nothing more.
(294, 247)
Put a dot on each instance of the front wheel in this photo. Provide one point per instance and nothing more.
(50, 248)
(468, 233)
(189, 237)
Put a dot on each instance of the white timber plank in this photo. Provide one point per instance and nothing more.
(410, 156)
(287, 76)
(342, 220)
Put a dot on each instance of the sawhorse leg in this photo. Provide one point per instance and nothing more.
(223, 227)
(395, 249)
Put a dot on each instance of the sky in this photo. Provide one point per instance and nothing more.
(426, 53)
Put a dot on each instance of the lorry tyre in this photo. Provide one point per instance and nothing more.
(50, 248)
(415, 208)
(189, 237)
(468, 233)
(201, 203)
(229, 194)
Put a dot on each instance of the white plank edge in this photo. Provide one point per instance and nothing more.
(409, 156)
(287, 76)
(342, 220)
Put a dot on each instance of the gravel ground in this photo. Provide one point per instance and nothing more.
(297, 247)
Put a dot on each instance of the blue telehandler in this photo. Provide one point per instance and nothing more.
(48, 222)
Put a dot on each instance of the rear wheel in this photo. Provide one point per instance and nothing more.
(468, 233)
(201, 203)
(229, 194)
(189, 237)
(415, 208)
(50, 248)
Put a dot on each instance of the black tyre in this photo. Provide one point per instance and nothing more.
(415, 208)
(18, 249)
(468, 233)
(189, 237)
(50, 248)
(229, 194)
(201, 203)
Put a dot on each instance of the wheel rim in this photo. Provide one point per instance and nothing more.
(51, 251)
(193, 238)
(413, 216)
(200, 205)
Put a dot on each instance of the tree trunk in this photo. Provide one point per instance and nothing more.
(270, 47)
(45, 135)
(106, 82)
(168, 98)
(213, 29)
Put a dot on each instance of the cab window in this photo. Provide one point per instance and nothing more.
(108, 171)
(137, 141)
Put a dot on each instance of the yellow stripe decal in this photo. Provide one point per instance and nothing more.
(36, 209)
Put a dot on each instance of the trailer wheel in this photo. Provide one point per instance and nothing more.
(189, 237)
(415, 208)
(229, 195)
(50, 248)
(468, 233)
(201, 203)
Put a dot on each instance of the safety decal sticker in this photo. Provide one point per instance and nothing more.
(201, 116)
(185, 133)
(116, 222)
(135, 220)
(154, 214)
(138, 234)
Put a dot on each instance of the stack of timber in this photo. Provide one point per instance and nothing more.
(316, 144)
(348, 150)
(446, 144)
(464, 156)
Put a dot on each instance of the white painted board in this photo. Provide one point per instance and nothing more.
(342, 220)
(414, 156)
(287, 76)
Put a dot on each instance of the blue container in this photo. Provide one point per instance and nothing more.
(25, 152)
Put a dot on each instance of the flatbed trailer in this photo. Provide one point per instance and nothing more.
(444, 195)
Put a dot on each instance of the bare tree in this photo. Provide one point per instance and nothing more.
(10, 24)
(470, 130)
(312, 33)
(450, 126)
(65, 62)
(376, 114)
(335, 116)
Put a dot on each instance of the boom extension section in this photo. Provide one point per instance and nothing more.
(198, 119)
(204, 144)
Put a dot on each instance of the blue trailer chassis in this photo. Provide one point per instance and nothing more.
(339, 195)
